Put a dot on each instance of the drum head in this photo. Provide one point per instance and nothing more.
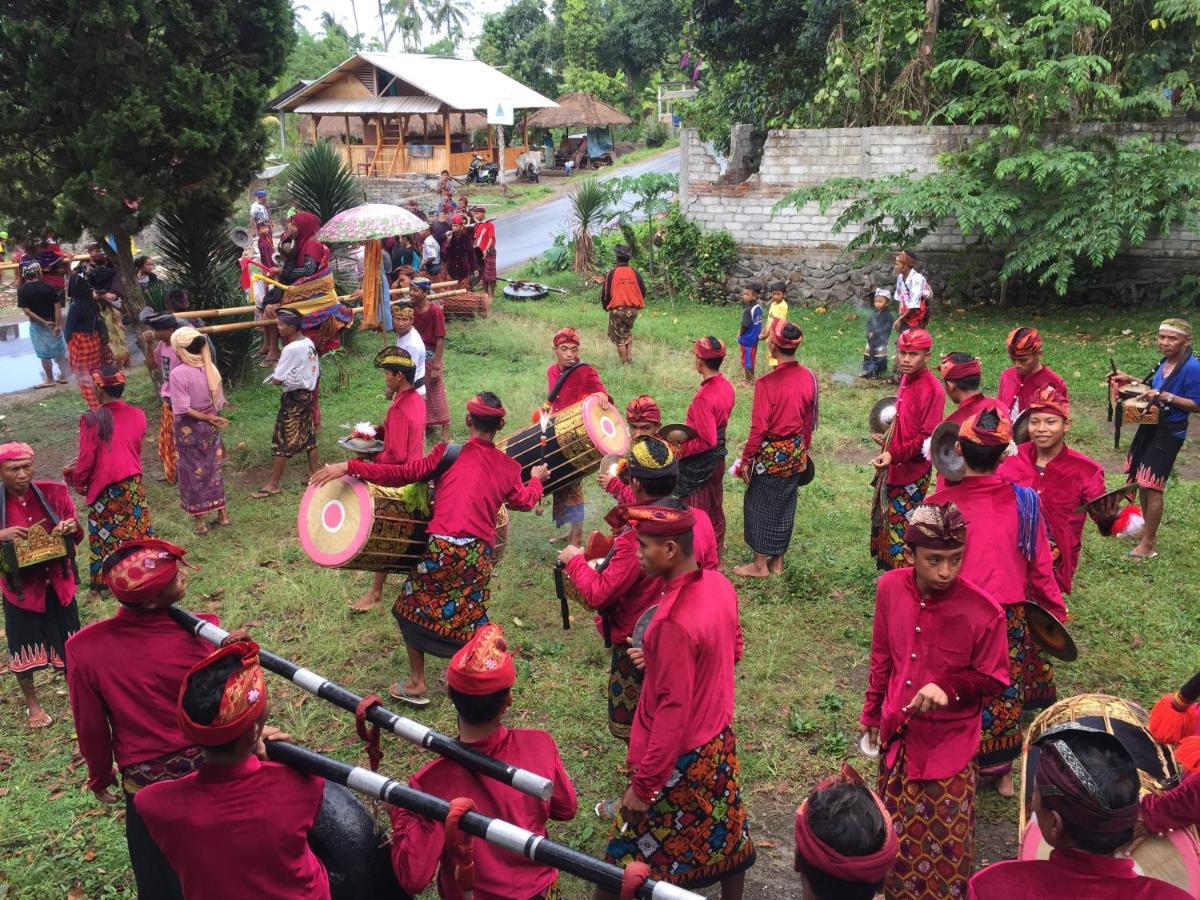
(1051, 635)
(1020, 427)
(360, 446)
(949, 464)
(335, 520)
(881, 415)
(604, 425)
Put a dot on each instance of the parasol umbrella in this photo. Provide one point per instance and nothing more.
(369, 222)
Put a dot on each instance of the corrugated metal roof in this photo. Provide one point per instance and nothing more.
(460, 84)
(365, 105)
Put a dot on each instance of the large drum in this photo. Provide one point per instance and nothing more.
(578, 437)
(1173, 857)
(351, 524)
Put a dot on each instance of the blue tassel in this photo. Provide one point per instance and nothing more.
(1029, 514)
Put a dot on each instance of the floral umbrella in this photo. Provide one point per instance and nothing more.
(368, 222)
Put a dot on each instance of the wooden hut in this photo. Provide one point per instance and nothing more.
(576, 110)
(416, 113)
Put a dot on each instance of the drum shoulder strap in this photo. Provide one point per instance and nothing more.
(447, 460)
(562, 379)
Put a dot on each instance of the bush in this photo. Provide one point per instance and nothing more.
(695, 262)
(655, 134)
(557, 259)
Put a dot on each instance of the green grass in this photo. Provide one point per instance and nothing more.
(800, 684)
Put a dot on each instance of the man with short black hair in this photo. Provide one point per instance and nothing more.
(623, 296)
(444, 600)
(43, 306)
(702, 459)
(297, 372)
(479, 681)
(1085, 798)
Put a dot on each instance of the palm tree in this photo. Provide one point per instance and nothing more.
(448, 17)
(406, 21)
(320, 182)
(590, 210)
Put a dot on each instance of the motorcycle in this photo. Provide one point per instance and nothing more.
(480, 172)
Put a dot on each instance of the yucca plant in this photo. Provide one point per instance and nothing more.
(590, 210)
(320, 182)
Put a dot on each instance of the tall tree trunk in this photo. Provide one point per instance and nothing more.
(383, 29)
(133, 301)
(933, 10)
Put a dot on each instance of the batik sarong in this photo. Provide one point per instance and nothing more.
(568, 507)
(87, 353)
(711, 499)
(201, 485)
(1152, 457)
(167, 453)
(294, 429)
(118, 515)
(935, 822)
(624, 689)
(697, 832)
(437, 407)
(37, 640)
(1002, 713)
(887, 537)
(1039, 689)
(163, 768)
(445, 598)
(620, 324)
(769, 513)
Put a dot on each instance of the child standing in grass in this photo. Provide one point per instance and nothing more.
(751, 330)
(777, 313)
(879, 330)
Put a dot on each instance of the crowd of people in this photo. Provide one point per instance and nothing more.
(954, 663)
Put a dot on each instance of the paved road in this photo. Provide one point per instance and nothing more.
(525, 233)
(520, 236)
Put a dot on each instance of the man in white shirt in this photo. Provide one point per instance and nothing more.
(259, 214)
(296, 372)
(912, 295)
(431, 254)
(409, 340)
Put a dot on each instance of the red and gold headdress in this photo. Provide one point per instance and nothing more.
(1023, 341)
(483, 665)
(661, 521)
(243, 700)
(566, 335)
(1000, 436)
(139, 571)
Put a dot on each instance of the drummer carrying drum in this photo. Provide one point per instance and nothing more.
(1175, 388)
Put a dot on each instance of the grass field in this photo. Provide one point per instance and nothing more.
(801, 681)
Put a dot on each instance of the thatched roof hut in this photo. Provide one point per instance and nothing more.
(578, 109)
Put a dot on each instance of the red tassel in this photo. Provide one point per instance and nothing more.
(1187, 754)
(1168, 724)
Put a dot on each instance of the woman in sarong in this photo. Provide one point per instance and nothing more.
(458, 252)
(485, 249)
(196, 401)
(86, 333)
(108, 472)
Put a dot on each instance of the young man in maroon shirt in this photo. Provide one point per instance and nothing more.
(1027, 377)
(702, 459)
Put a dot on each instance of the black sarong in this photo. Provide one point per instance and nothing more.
(769, 513)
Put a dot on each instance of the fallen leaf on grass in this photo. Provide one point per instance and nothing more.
(76, 893)
(3, 792)
(91, 854)
(1126, 331)
(1136, 642)
(759, 842)
(518, 622)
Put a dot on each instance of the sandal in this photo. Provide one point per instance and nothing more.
(1140, 556)
(606, 810)
(397, 692)
(43, 385)
(263, 494)
(40, 723)
(200, 530)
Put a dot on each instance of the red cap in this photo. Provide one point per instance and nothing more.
(478, 407)
(914, 339)
(138, 571)
(643, 409)
(15, 450)
(954, 371)
(242, 702)
(1023, 341)
(566, 335)
(483, 665)
(709, 348)
(661, 521)
(113, 379)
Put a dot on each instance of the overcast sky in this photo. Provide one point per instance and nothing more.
(309, 12)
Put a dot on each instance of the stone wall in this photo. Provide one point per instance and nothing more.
(398, 190)
(799, 246)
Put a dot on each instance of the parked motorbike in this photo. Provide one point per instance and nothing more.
(480, 172)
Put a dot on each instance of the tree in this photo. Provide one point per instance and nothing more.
(526, 43)
(314, 55)
(114, 111)
(591, 209)
(652, 194)
(448, 17)
(638, 37)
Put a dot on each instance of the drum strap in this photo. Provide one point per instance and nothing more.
(447, 460)
(368, 732)
(562, 380)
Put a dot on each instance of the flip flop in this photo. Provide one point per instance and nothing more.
(263, 494)
(43, 385)
(61, 381)
(606, 810)
(1132, 555)
(45, 723)
(396, 692)
(200, 530)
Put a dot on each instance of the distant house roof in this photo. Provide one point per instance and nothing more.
(407, 83)
(579, 109)
(274, 103)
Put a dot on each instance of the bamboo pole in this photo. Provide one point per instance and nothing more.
(241, 310)
(263, 323)
(79, 257)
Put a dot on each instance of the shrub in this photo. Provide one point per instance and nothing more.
(655, 134)
(695, 262)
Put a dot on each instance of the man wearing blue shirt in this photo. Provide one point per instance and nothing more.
(1175, 386)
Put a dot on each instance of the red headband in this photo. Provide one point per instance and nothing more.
(566, 335)
(866, 869)
(483, 665)
(972, 431)
(955, 371)
(1050, 400)
(643, 409)
(15, 450)
(704, 348)
(914, 339)
(101, 380)
(139, 571)
(661, 521)
(242, 702)
(1023, 341)
(457, 220)
(786, 343)
(479, 408)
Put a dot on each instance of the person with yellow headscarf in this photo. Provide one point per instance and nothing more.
(196, 401)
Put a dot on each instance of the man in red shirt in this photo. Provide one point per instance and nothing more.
(920, 403)
(937, 649)
(124, 674)
(402, 433)
(702, 459)
(430, 321)
(682, 813)
(620, 591)
(1065, 480)
(479, 681)
(568, 381)
(774, 460)
(40, 612)
(1010, 554)
(1024, 380)
(445, 597)
(1085, 797)
(238, 826)
(623, 296)
(962, 374)
(643, 416)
